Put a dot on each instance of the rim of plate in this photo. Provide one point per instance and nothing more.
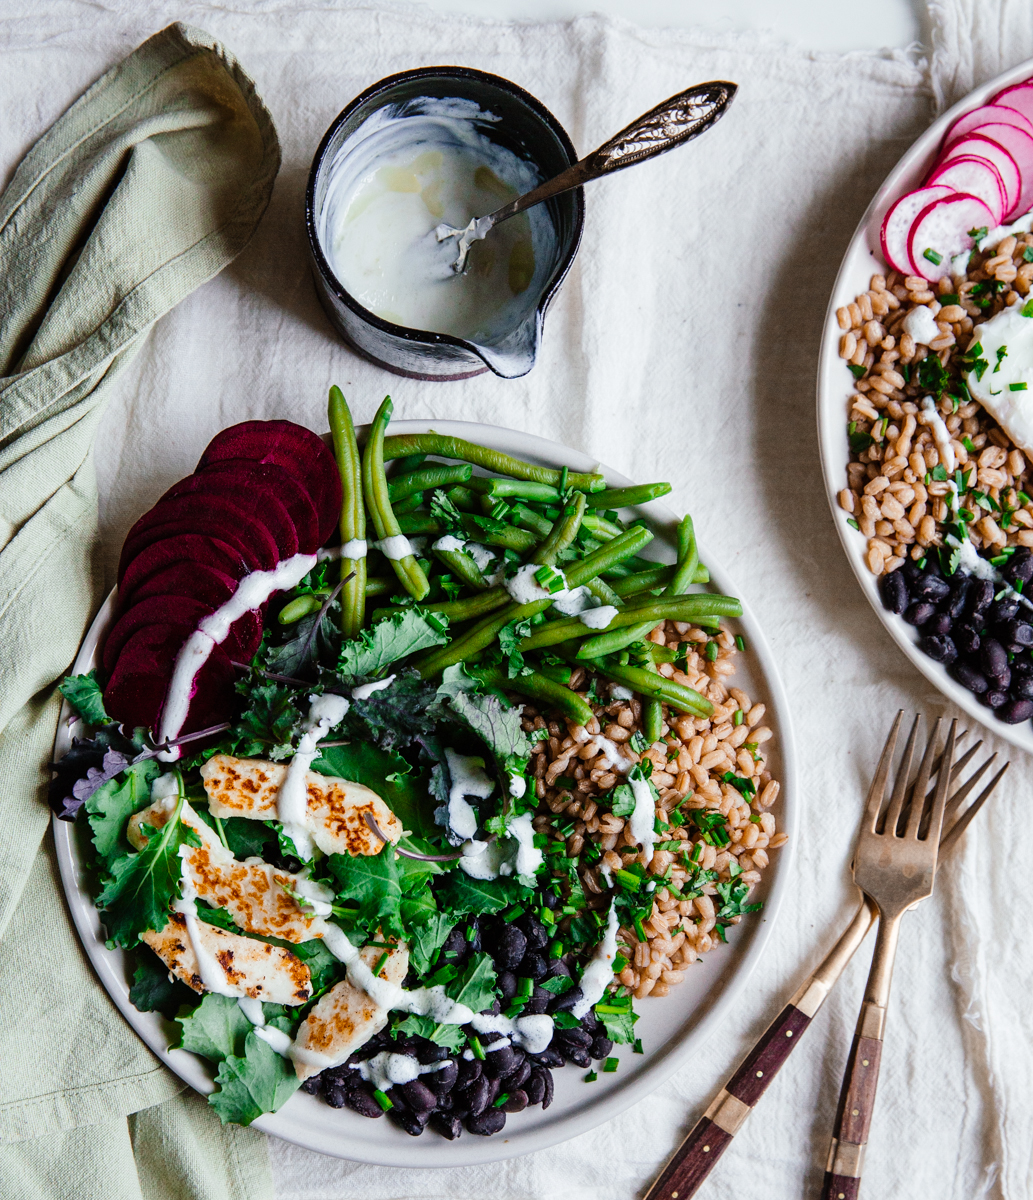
(862, 260)
(309, 1122)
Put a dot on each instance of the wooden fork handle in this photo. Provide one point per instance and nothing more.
(856, 1104)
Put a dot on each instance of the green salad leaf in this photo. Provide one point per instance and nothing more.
(258, 1082)
(155, 990)
(84, 694)
(390, 639)
(387, 774)
(371, 881)
(497, 725)
(113, 803)
(216, 1029)
(620, 1027)
(460, 895)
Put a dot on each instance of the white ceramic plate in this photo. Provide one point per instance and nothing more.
(671, 1028)
(864, 259)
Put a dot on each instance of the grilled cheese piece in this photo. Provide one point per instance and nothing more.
(256, 969)
(337, 808)
(345, 1018)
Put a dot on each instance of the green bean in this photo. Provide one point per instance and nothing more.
(538, 687)
(630, 542)
(438, 475)
(464, 499)
(408, 505)
(652, 719)
(647, 581)
(404, 465)
(646, 683)
(374, 488)
(600, 528)
(563, 532)
(299, 607)
(380, 585)
(523, 489)
(462, 566)
(353, 512)
(491, 460)
(509, 537)
(604, 593)
(685, 608)
(629, 566)
(688, 558)
(420, 525)
(625, 497)
(528, 519)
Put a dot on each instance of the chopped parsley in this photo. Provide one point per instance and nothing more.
(1027, 308)
(1002, 354)
(977, 235)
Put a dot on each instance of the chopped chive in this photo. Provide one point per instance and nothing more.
(966, 441)
(950, 298)
(383, 1100)
(639, 930)
(380, 962)
(611, 1008)
(591, 1077)
(740, 641)
(851, 521)
(500, 1100)
(477, 1048)
(922, 563)
(1016, 387)
(550, 579)
(737, 717)
(978, 234)
(1027, 254)
(1027, 308)
(932, 256)
(555, 949)
(619, 963)
(1024, 498)
(637, 1047)
(611, 1065)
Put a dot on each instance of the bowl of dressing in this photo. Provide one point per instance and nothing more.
(426, 147)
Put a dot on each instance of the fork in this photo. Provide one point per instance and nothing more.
(694, 1159)
(895, 868)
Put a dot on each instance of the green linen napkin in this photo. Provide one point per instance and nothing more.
(146, 187)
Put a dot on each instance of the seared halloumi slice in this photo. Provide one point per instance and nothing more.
(337, 808)
(256, 895)
(261, 971)
(345, 1018)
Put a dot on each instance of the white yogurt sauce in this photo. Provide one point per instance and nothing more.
(525, 589)
(481, 555)
(1006, 388)
(995, 236)
(599, 970)
(643, 817)
(401, 174)
(252, 1009)
(448, 543)
(598, 618)
(252, 592)
(603, 745)
(292, 799)
(574, 602)
(515, 854)
(365, 690)
(384, 1070)
(355, 549)
(941, 434)
(468, 779)
(395, 548)
(208, 966)
(921, 325)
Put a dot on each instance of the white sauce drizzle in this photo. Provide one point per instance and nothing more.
(468, 779)
(213, 977)
(602, 745)
(252, 1009)
(448, 543)
(643, 817)
(515, 854)
(941, 434)
(598, 618)
(921, 325)
(599, 970)
(481, 555)
(292, 799)
(276, 1039)
(619, 692)
(252, 592)
(395, 548)
(574, 601)
(354, 550)
(365, 690)
(525, 589)
(384, 1070)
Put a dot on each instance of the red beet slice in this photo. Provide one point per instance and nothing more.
(203, 514)
(897, 225)
(187, 614)
(288, 489)
(250, 493)
(191, 548)
(294, 448)
(219, 531)
(136, 690)
(193, 579)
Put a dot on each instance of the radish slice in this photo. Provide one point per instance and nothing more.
(974, 177)
(897, 225)
(1018, 97)
(975, 144)
(941, 230)
(984, 115)
(1020, 146)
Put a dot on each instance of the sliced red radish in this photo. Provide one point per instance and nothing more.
(987, 114)
(294, 448)
(263, 505)
(1018, 97)
(1020, 146)
(897, 225)
(187, 548)
(194, 579)
(288, 489)
(941, 230)
(974, 177)
(975, 144)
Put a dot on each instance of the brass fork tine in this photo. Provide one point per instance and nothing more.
(961, 795)
(966, 817)
(956, 770)
(900, 787)
(873, 805)
(922, 782)
(940, 799)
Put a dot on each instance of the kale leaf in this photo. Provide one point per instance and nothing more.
(84, 694)
(155, 989)
(461, 896)
(497, 725)
(372, 882)
(391, 639)
(258, 1082)
(388, 775)
(396, 716)
(426, 928)
(114, 802)
(216, 1029)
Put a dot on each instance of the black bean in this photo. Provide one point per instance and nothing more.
(994, 699)
(558, 967)
(510, 946)
(550, 899)
(442, 1080)
(418, 1096)
(1022, 664)
(502, 1062)
(982, 596)
(454, 947)
(535, 932)
(938, 625)
(362, 1101)
(941, 649)
(549, 1089)
(1018, 632)
(507, 984)
(920, 612)
(1015, 711)
(960, 589)
(969, 677)
(1003, 609)
(601, 1046)
(894, 592)
(572, 1037)
(931, 587)
(1019, 566)
(966, 638)
(313, 1085)
(549, 1057)
(577, 1056)
(475, 1095)
(911, 571)
(538, 1003)
(493, 1090)
(534, 966)
(428, 1052)
(487, 1123)
(517, 1078)
(567, 1001)
(335, 1095)
(516, 1102)
(1002, 682)
(993, 657)
(1021, 687)
(469, 1069)
(447, 1124)
(409, 1121)
(534, 1087)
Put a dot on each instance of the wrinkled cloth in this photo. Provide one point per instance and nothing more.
(148, 185)
(682, 346)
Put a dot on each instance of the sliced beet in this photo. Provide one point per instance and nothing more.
(185, 613)
(294, 448)
(291, 492)
(138, 685)
(251, 494)
(186, 548)
(222, 531)
(210, 586)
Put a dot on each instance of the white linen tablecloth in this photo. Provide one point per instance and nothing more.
(682, 347)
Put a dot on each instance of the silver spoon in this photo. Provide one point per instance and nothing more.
(677, 120)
